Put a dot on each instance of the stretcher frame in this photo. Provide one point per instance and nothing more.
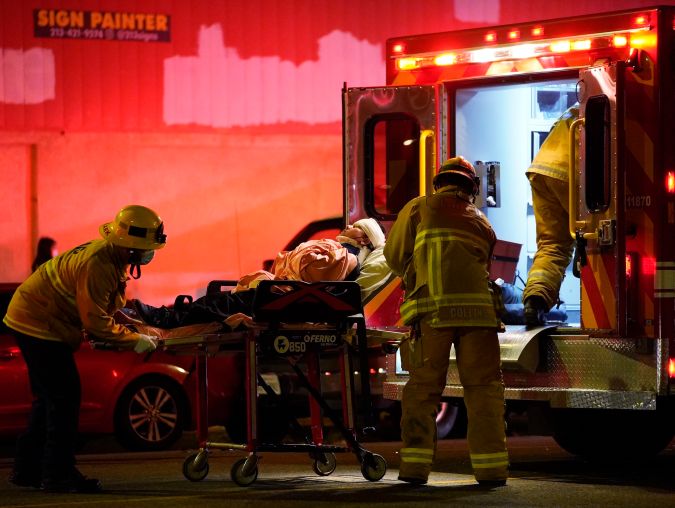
(324, 316)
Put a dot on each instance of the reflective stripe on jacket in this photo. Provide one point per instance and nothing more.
(441, 246)
(79, 290)
(552, 159)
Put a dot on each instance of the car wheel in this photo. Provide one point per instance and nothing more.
(150, 414)
(451, 420)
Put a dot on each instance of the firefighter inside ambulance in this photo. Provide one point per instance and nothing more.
(548, 176)
(355, 254)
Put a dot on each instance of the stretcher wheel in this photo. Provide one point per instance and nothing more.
(196, 467)
(241, 476)
(373, 467)
(326, 466)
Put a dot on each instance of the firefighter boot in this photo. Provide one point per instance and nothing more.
(74, 482)
(534, 310)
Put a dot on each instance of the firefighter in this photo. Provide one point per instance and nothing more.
(549, 181)
(75, 292)
(441, 246)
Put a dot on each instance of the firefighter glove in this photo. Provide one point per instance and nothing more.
(146, 343)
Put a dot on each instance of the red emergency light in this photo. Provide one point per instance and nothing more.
(670, 182)
(641, 20)
(648, 266)
(619, 41)
(445, 59)
(629, 266)
(517, 49)
(671, 367)
(398, 48)
(560, 46)
(580, 45)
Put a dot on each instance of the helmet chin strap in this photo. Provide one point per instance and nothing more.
(135, 271)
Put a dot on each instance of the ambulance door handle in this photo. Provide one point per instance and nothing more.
(426, 133)
(576, 227)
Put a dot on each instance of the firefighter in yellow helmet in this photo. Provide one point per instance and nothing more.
(548, 175)
(441, 246)
(75, 292)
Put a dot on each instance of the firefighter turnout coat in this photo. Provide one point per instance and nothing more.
(441, 246)
(78, 291)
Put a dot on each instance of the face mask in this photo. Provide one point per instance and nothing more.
(141, 257)
(147, 257)
(136, 259)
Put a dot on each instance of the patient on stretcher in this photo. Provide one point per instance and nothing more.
(356, 254)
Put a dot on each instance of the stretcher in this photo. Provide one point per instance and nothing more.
(298, 322)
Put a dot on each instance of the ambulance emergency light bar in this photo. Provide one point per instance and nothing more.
(632, 38)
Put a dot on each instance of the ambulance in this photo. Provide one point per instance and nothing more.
(601, 375)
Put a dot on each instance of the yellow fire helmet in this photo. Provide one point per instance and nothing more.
(135, 227)
(462, 167)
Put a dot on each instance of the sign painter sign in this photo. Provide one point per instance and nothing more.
(101, 25)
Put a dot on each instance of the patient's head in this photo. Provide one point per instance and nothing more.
(373, 230)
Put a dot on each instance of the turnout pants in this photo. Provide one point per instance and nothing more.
(478, 363)
(554, 242)
(47, 448)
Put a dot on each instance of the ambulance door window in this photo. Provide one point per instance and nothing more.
(597, 153)
(391, 152)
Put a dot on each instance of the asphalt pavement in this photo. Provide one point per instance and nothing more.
(542, 475)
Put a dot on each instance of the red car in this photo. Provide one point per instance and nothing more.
(146, 400)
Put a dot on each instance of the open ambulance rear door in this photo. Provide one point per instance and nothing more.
(594, 198)
(390, 154)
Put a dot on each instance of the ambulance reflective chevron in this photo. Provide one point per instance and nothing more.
(604, 372)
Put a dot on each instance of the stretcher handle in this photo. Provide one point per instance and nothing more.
(116, 345)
